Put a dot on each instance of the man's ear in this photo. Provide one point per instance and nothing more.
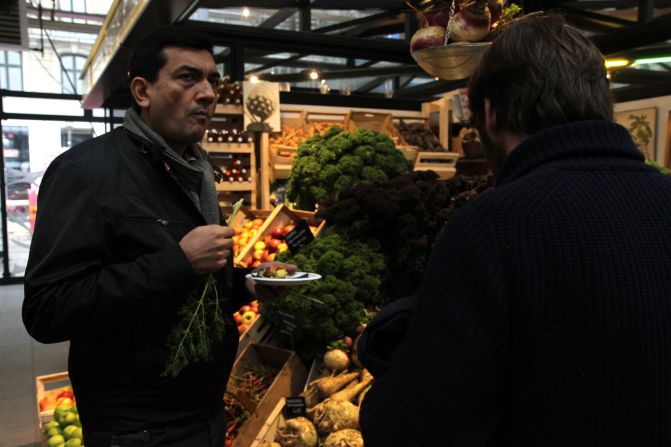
(139, 89)
(490, 118)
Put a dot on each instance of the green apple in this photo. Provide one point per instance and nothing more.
(53, 431)
(68, 418)
(78, 433)
(74, 442)
(55, 441)
(51, 424)
(69, 430)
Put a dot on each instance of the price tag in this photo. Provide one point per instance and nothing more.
(294, 407)
(299, 237)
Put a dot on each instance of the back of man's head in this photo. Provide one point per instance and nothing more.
(148, 57)
(540, 73)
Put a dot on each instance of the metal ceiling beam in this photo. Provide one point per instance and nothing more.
(370, 85)
(617, 4)
(355, 22)
(642, 92)
(647, 52)
(345, 74)
(645, 10)
(652, 31)
(277, 18)
(274, 40)
(293, 61)
(318, 4)
(64, 26)
(572, 11)
(636, 76)
(381, 27)
(429, 89)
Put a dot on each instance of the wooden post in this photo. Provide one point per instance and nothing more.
(264, 172)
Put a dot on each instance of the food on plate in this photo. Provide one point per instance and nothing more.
(273, 271)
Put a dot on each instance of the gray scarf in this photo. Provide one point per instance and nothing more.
(194, 173)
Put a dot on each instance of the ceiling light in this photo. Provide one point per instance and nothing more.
(616, 63)
(314, 75)
(254, 79)
(245, 12)
(653, 60)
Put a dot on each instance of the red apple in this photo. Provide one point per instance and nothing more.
(271, 257)
(288, 228)
(238, 318)
(245, 308)
(268, 240)
(348, 341)
(277, 233)
(243, 328)
(274, 244)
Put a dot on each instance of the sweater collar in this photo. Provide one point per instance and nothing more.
(569, 141)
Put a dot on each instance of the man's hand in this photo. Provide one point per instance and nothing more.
(269, 293)
(207, 247)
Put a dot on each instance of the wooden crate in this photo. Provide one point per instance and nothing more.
(271, 425)
(49, 385)
(322, 121)
(442, 163)
(288, 382)
(280, 216)
(281, 161)
(260, 331)
(293, 125)
(379, 122)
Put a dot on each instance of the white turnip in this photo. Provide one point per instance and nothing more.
(471, 24)
(431, 36)
(336, 360)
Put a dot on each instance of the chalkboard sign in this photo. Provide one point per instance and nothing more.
(299, 237)
(294, 407)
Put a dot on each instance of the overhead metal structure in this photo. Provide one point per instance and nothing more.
(365, 44)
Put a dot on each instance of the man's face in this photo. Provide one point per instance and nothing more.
(183, 97)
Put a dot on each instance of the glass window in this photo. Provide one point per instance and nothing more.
(29, 147)
(11, 76)
(72, 68)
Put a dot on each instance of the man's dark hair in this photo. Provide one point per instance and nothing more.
(148, 57)
(540, 73)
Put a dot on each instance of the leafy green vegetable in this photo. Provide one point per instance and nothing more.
(326, 310)
(201, 327)
(337, 160)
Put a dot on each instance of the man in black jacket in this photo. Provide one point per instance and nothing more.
(128, 226)
(544, 317)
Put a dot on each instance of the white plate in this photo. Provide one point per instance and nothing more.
(295, 279)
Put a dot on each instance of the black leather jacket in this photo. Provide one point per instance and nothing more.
(106, 273)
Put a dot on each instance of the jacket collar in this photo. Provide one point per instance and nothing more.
(569, 141)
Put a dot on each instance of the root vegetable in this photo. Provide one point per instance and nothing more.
(471, 24)
(297, 432)
(495, 9)
(353, 389)
(320, 389)
(363, 395)
(333, 415)
(336, 360)
(431, 36)
(344, 438)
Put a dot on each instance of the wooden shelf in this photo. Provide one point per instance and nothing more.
(229, 148)
(229, 109)
(227, 186)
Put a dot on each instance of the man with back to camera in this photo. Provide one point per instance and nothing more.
(544, 317)
(128, 226)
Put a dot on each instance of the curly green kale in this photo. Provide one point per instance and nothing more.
(336, 160)
(326, 310)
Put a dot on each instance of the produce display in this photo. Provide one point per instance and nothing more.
(472, 21)
(55, 398)
(336, 160)
(333, 307)
(245, 233)
(236, 416)
(246, 315)
(322, 126)
(404, 215)
(290, 137)
(417, 134)
(65, 430)
(272, 244)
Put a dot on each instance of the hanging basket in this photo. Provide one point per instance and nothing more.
(451, 62)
